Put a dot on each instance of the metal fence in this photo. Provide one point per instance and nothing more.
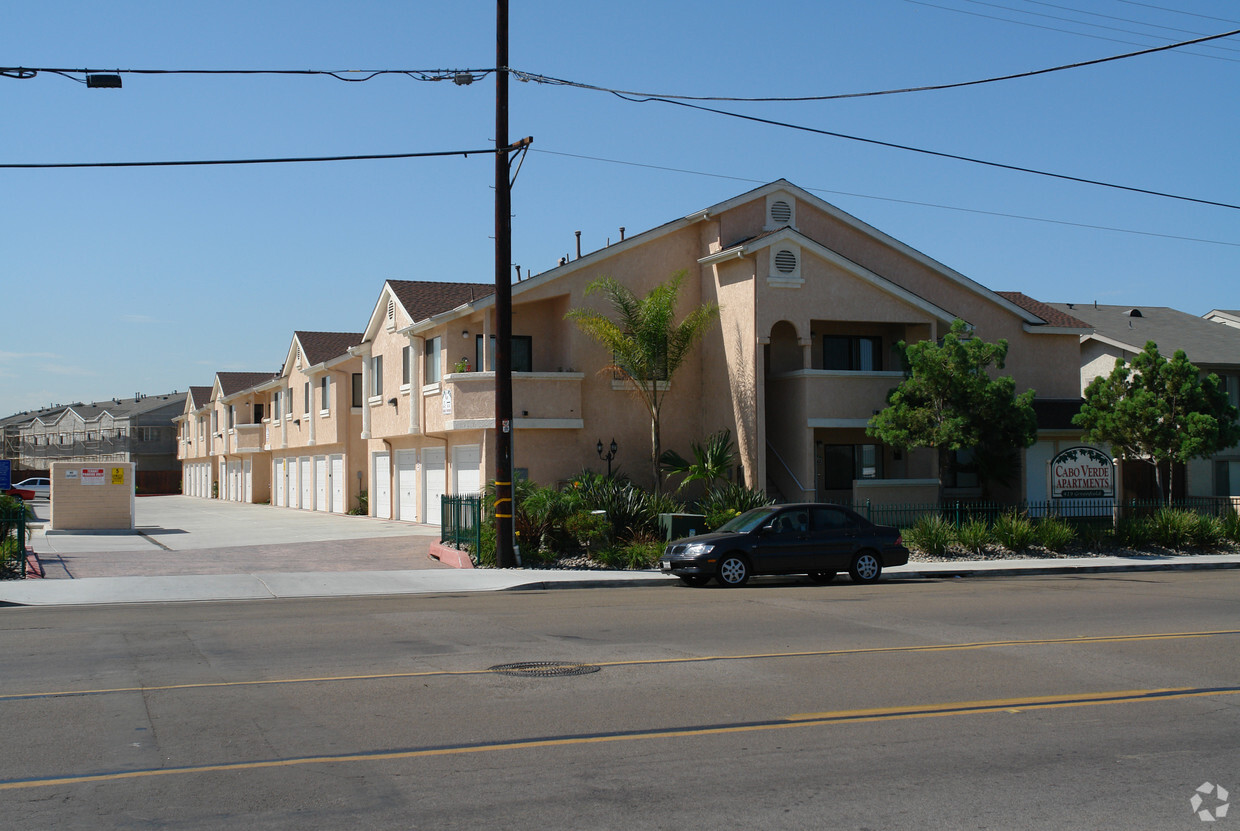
(1075, 510)
(461, 522)
(13, 542)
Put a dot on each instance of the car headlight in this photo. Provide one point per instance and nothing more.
(697, 549)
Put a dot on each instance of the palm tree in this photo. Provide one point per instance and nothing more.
(713, 460)
(646, 344)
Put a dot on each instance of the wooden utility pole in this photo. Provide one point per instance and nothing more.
(505, 553)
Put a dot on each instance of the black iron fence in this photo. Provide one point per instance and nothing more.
(461, 522)
(13, 535)
(904, 515)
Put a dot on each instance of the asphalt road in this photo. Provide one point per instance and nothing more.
(1099, 701)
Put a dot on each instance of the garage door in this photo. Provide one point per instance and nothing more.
(406, 485)
(381, 476)
(467, 469)
(306, 476)
(320, 483)
(433, 484)
(337, 479)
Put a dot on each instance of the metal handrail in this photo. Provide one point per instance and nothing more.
(787, 469)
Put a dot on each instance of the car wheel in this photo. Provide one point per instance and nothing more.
(695, 580)
(822, 577)
(865, 568)
(733, 571)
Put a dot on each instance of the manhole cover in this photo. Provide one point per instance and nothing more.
(544, 669)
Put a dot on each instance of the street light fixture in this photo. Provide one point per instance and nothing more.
(610, 455)
(97, 81)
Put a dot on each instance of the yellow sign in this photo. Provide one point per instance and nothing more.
(118, 476)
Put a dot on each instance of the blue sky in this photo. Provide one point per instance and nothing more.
(147, 280)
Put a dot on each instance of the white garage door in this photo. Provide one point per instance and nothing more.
(381, 476)
(320, 483)
(337, 474)
(467, 469)
(306, 476)
(277, 483)
(406, 485)
(433, 484)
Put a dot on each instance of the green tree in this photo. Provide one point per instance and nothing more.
(1157, 410)
(950, 401)
(646, 343)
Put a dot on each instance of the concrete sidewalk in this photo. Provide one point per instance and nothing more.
(188, 549)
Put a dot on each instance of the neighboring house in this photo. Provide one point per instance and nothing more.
(1212, 343)
(221, 434)
(195, 441)
(313, 424)
(138, 429)
(813, 303)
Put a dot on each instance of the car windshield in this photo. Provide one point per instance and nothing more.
(749, 520)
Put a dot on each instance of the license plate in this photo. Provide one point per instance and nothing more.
(667, 565)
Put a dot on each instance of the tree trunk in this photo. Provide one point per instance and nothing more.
(656, 451)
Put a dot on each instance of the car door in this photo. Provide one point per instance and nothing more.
(784, 544)
(835, 537)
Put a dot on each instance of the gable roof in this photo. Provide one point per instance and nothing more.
(231, 383)
(199, 397)
(321, 347)
(1130, 327)
(423, 299)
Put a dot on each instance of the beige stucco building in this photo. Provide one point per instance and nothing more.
(812, 304)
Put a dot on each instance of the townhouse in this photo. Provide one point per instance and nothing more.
(812, 300)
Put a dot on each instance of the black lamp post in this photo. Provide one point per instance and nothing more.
(611, 455)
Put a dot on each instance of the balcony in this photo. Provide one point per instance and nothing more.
(832, 398)
(247, 438)
(540, 400)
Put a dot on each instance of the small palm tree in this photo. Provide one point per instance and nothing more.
(646, 343)
(712, 460)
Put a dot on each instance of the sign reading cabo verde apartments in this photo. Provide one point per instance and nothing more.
(1082, 472)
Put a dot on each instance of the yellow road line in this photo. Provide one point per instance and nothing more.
(1005, 705)
(948, 647)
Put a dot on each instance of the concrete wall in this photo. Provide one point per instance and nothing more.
(92, 497)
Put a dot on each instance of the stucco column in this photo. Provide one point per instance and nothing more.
(415, 380)
(487, 363)
(807, 355)
(364, 352)
(312, 415)
(757, 479)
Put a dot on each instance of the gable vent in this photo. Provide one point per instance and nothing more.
(391, 309)
(781, 212)
(785, 261)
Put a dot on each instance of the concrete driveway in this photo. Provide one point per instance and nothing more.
(182, 535)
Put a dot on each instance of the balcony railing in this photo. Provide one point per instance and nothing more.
(553, 398)
(836, 394)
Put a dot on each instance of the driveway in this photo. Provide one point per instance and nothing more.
(182, 535)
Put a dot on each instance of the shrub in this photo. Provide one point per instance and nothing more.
(632, 555)
(1231, 526)
(930, 534)
(1207, 532)
(974, 535)
(1053, 534)
(722, 503)
(1014, 531)
(363, 505)
(1171, 528)
(1131, 532)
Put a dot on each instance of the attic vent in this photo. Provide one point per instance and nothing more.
(785, 261)
(781, 212)
(1135, 313)
(391, 309)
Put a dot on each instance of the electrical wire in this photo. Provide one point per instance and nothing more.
(288, 160)
(1024, 217)
(1177, 11)
(521, 75)
(924, 151)
(462, 77)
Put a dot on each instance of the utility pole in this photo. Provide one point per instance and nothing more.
(505, 554)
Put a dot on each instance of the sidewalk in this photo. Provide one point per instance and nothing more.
(189, 549)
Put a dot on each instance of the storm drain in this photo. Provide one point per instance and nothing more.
(544, 669)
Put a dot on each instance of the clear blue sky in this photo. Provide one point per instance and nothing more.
(117, 281)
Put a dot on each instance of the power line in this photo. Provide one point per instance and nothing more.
(1024, 217)
(547, 79)
(1177, 11)
(489, 151)
(938, 153)
(462, 77)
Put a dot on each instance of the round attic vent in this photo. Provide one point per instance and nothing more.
(781, 211)
(785, 262)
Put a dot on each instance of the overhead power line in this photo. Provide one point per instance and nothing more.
(487, 151)
(938, 153)
(546, 79)
(462, 77)
(1023, 217)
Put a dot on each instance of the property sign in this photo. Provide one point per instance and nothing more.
(6, 474)
(1082, 472)
(92, 476)
(118, 476)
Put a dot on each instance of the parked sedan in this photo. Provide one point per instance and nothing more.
(815, 539)
(29, 489)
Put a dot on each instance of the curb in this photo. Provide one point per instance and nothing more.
(1053, 570)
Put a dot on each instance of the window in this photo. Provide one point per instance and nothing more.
(232, 416)
(1226, 478)
(288, 402)
(406, 355)
(306, 398)
(852, 353)
(325, 388)
(522, 353)
(376, 376)
(275, 406)
(434, 350)
(357, 389)
(960, 470)
(258, 412)
(842, 463)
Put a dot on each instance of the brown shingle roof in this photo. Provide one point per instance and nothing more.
(1052, 316)
(319, 347)
(423, 299)
(201, 396)
(232, 383)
